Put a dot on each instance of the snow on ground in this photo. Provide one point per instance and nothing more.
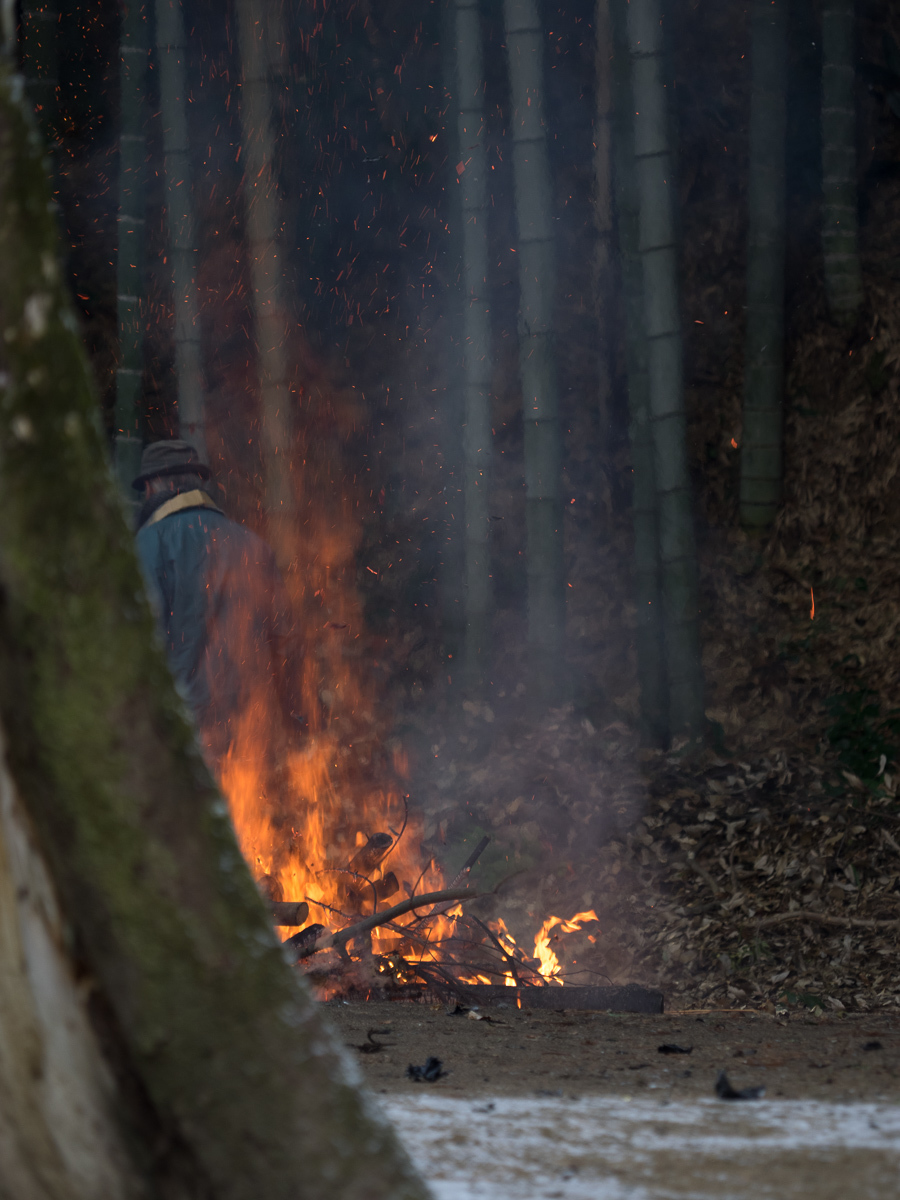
(623, 1148)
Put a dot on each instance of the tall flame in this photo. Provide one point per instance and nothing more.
(320, 812)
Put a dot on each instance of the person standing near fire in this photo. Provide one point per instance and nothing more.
(219, 599)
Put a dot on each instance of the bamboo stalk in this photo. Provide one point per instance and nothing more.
(453, 549)
(659, 257)
(172, 54)
(134, 53)
(477, 447)
(261, 38)
(536, 261)
(761, 446)
(648, 596)
(604, 220)
(840, 221)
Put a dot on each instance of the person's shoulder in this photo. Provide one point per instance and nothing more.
(243, 538)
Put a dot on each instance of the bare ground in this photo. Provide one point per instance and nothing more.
(526, 1052)
(583, 1106)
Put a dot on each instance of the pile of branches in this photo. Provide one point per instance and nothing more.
(419, 961)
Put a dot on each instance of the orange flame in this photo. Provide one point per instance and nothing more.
(549, 963)
(306, 804)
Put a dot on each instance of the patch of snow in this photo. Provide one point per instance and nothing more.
(618, 1148)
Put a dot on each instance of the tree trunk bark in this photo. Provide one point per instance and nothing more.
(261, 40)
(134, 52)
(227, 1083)
(762, 437)
(650, 651)
(537, 358)
(59, 1133)
(173, 88)
(477, 437)
(843, 277)
(662, 324)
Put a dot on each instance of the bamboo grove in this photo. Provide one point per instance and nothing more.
(639, 313)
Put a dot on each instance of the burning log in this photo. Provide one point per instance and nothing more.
(366, 860)
(288, 912)
(387, 887)
(304, 941)
(336, 941)
(270, 889)
(370, 855)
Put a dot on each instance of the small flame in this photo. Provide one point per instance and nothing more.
(550, 966)
(812, 602)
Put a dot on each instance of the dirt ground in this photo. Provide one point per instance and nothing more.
(513, 1052)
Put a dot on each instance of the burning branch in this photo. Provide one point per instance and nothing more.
(506, 957)
(336, 940)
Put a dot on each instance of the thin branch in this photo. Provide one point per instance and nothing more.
(507, 957)
(337, 912)
(398, 836)
(422, 875)
(802, 914)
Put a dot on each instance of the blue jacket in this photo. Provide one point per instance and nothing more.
(220, 605)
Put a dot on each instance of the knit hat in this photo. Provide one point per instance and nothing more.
(169, 457)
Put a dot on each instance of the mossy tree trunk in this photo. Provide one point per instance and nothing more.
(477, 437)
(261, 42)
(219, 1078)
(536, 259)
(648, 597)
(843, 277)
(656, 192)
(171, 45)
(762, 437)
(134, 54)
